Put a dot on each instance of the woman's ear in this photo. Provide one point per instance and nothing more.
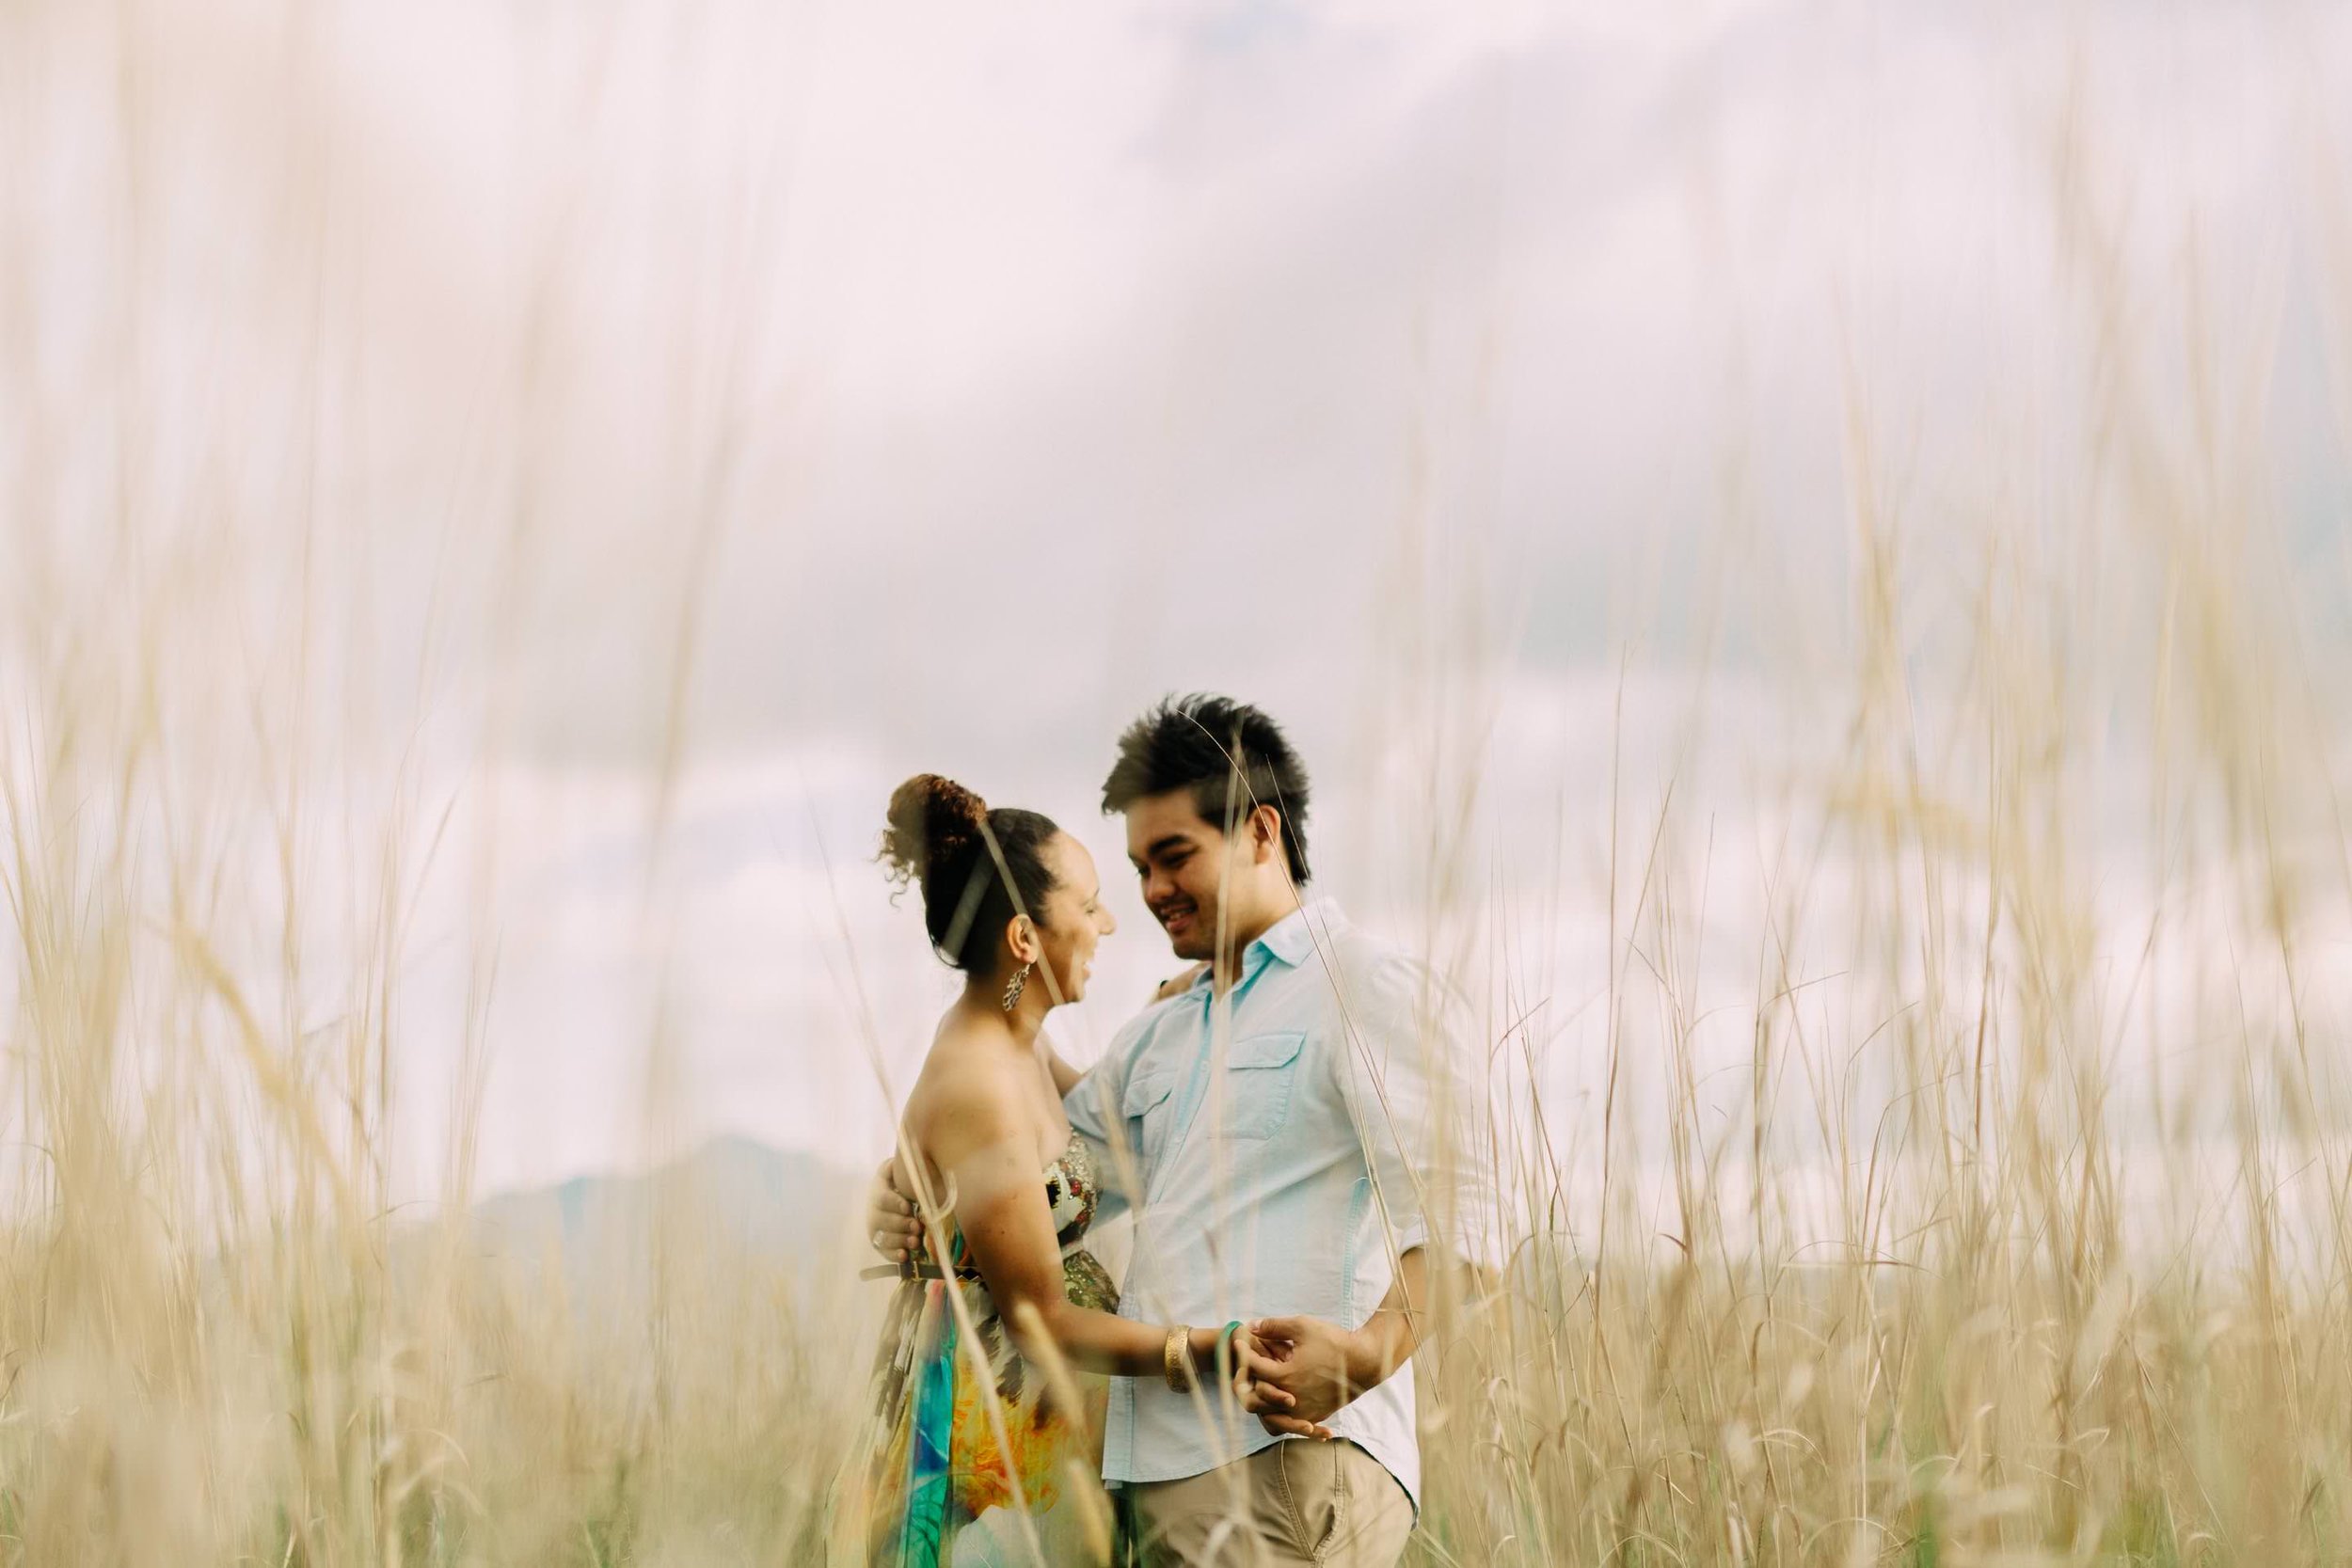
(1021, 936)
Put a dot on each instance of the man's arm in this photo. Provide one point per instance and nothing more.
(1397, 1064)
(1322, 1366)
(1412, 1083)
(1387, 1338)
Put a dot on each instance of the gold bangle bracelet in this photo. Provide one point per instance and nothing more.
(1176, 1359)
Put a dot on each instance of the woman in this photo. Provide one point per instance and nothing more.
(1014, 903)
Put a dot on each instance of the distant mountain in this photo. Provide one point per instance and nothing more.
(732, 1196)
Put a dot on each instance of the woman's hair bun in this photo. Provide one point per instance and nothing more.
(932, 820)
(976, 868)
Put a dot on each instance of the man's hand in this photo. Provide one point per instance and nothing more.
(891, 1224)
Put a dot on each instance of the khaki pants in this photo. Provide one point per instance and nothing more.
(1298, 1502)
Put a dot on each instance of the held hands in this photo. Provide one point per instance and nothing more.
(1254, 1367)
(1313, 1367)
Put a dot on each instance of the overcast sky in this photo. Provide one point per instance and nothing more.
(815, 395)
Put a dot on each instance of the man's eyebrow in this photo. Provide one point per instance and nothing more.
(1173, 841)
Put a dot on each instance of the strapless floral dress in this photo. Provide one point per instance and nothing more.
(942, 1491)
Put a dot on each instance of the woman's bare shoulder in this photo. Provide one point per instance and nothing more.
(968, 1096)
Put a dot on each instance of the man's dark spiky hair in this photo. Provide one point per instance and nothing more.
(1230, 756)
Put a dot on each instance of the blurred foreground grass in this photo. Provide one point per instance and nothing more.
(2011, 1228)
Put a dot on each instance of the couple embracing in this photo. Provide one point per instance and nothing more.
(1277, 1123)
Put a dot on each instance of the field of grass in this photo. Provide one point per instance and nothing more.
(1917, 1076)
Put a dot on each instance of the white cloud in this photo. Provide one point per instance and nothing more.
(1024, 364)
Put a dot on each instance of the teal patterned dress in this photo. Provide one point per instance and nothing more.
(941, 1492)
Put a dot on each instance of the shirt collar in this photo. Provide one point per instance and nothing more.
(1289, 940)
(1292, 937)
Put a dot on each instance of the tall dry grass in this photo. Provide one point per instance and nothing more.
(1998, 1216)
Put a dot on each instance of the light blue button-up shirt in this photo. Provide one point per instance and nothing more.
(1289, 1144)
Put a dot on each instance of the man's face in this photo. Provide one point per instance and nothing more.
(1182, 858)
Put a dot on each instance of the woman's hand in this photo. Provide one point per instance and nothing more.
(1176, 985)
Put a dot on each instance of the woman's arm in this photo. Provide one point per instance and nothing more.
(1065, 1076)
(980, 1140)
(891, 1222)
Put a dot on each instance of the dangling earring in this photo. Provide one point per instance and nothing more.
(1013, 987)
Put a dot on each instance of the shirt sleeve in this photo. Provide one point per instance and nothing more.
(1093, 1106)
(1401, 1060)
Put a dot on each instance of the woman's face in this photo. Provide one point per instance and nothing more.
(1075, 917)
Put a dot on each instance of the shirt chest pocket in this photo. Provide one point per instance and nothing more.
(1261, 1080)
(1144, 1108)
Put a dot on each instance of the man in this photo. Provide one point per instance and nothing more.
(1278, 1115)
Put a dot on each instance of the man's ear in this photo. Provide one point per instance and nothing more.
(1266, 832)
